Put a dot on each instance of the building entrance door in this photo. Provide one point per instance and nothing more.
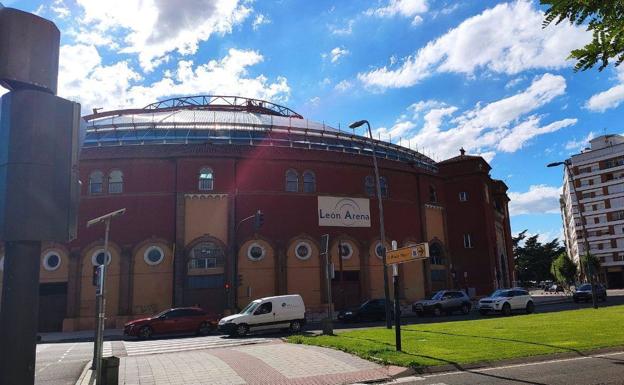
(615, 280)
(52, 306)
(346, 291)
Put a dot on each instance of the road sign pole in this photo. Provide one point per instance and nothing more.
(397, 306)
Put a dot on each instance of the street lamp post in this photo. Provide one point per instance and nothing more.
(382, 232)
(100, 298)
(566, 164)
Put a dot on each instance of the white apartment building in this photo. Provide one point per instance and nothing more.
(598, 175)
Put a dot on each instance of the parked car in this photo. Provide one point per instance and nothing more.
(181, 320)
(279, 312)
(444, 301)
(371, 310)
(584, 293)
(507, 300)
(555, 288)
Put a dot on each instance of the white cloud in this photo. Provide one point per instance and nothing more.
(577, 145)
(514, 82)
(505, 125)
(154, 28)
(343, 86)
(405, 8)
(315, 101)
(60, 9)
(342, 29)
(505, 39)
(540, 199)
(260, 20)
(605, 100)
(529, 129)
(338, 53)
(84, 78)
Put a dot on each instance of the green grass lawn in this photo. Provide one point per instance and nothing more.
(488, 339)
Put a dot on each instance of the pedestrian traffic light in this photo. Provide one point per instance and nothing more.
(96, 275)
(227, 286)
(259, 219)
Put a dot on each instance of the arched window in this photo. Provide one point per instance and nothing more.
(369, 185)
(206, 255)
(292, 181)
(433, 195)
(436, 254)
(115, 182)
(96, 182)
(206, 179)
(309, 182)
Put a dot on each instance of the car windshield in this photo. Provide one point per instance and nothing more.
(162, 313)
(585, 287)
(437, 295)
(249, 308)
(500, 293)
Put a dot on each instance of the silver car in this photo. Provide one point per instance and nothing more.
(443, 301)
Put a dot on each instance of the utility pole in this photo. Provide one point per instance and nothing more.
(38, 178)
(397, 305)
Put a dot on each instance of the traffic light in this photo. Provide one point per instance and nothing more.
(227, 286)
(259, 219)
(96, 275)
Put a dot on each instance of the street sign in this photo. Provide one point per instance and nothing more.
(408, 254)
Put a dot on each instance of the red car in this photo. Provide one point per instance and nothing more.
(173, 321)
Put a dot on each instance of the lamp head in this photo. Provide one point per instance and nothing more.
(357, 124)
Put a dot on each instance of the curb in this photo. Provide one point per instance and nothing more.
(513, 361)
(86, 377)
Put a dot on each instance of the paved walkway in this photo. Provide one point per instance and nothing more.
(275, 363)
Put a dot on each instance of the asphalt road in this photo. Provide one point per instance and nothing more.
(601, 369)
(615, 298)
(62, 363)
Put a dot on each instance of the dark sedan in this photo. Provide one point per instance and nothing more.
(184, 320)
(372, 310)
(584, 293)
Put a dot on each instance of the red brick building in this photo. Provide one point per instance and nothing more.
(191, 171)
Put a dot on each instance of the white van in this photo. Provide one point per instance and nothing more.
(280, 312)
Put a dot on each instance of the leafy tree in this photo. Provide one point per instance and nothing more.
(606, 22)
(534, 259)
(591, 263)
(563, 269)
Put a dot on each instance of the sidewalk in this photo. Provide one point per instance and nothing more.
(80, 336)
(275, 363)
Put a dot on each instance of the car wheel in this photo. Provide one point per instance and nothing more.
(530, 307)
(145, 333)
(483, 312)
(295, 326)
(437, 311)
(204, 329)
(506, 309)
(242, 330)
(465, 309)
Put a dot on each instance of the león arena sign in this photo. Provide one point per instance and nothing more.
(343, 212)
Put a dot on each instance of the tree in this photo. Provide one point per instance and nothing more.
(591, 264)
(605, 21)
(563, 269)
(532, 258)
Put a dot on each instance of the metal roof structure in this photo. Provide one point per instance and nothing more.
(232, 121)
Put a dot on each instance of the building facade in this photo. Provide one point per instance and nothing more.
(191, 173)
(598, 177)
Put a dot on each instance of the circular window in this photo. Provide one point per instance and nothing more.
(256, 252)
(153, 255)
(303, 250)
(51, 261)
(345, 250)
(379, 250)
(97, 258)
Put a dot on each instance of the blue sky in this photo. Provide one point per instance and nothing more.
(434, 75)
